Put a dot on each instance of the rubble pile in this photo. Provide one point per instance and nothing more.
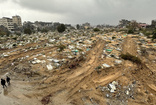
(118, 92)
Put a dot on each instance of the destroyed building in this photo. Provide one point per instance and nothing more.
(11, 23)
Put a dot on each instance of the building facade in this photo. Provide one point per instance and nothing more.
(11, 23)
(17, 20)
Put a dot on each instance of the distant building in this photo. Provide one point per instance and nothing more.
(7, 22)
(86, 25)
(17, 20)
(68, 26)
(30, 25)
(153, 24)
(43, 24)
(11, 23)
(142, 25)
(100, 26)
(104, 26)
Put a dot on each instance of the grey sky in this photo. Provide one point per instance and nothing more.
(80, 11)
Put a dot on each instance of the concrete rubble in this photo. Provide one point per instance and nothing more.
(115, 91)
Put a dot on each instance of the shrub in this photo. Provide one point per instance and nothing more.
(154, 36)
(113, 37)
(61, 28)
(78, 26)
(27, 31)
(96, 29)
(99, 67)
(44, 30)
(130, 57)
(61, 47)
(4, 31)
(130, 32)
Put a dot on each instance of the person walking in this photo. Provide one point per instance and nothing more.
(3, 83)
(8, 80)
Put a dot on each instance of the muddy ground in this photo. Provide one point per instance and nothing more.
(82, 84)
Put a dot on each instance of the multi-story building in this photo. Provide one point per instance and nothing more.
(7, 22)
(10, 23)
(17, 20)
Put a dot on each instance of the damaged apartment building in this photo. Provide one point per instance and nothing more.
(12, 24)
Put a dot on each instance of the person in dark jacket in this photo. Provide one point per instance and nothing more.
(8, 80)
(3, 83)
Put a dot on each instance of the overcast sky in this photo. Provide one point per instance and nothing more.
(80, 11)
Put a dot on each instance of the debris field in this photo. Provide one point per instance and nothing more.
(78, 68)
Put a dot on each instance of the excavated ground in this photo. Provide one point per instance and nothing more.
(83, 84)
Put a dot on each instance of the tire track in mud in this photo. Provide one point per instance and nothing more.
(148, 77)
(141, 73)
(64, 85)
(75, 79)
(80, 76)
(13, 57)
(83, 77)
(20, 53)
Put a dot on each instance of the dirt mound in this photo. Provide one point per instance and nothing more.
(129, 46)
(24, 71)
(22, 68)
